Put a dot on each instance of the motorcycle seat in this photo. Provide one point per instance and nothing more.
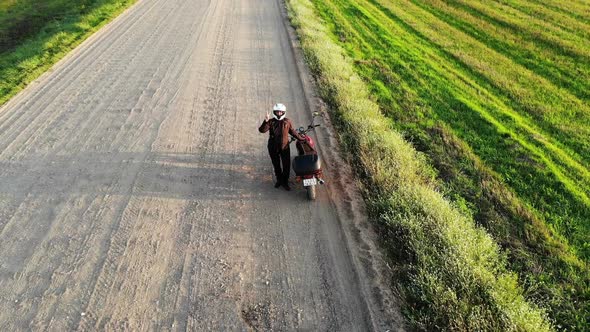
(306, 164)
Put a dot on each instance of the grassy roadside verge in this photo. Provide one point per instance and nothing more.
(454, 275)
(36, 35)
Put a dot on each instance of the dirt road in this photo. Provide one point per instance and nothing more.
(136, 192)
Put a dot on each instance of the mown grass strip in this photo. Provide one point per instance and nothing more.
(550, 15)
(553, 36)
(454, 95)
(572, 173)
(561, 114)
(457, 276)
(561, 70)
(33, 55)
(579, 10)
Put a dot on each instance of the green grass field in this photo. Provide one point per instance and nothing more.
(495, 97)
(35, 34)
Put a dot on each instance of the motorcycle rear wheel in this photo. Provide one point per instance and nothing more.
(311, 193)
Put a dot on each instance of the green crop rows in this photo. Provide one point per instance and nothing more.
(495, 95)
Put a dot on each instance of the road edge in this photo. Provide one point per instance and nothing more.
(372, 272)
(82, 46)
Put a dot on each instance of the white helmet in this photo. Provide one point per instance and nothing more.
(278, 107)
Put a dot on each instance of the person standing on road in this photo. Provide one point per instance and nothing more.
(279, 127)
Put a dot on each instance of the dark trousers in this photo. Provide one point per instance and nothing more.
(280, 156)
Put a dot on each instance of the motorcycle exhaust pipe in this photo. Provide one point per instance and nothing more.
(322, 181)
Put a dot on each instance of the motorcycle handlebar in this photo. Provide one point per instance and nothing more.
(309, 128)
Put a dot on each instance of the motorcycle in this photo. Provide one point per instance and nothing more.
(307, 164)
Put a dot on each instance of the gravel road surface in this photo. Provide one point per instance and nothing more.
(137, 194)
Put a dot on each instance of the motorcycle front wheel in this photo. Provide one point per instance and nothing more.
(311, 193)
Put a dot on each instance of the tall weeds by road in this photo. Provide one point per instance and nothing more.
(494, 94)
(34, 35)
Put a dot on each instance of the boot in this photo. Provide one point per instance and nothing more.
(286, 186)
